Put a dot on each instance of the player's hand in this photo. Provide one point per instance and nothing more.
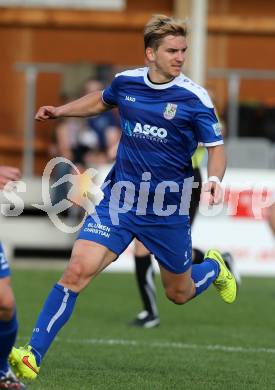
(212, 192)
(46, 112)
(8, 174)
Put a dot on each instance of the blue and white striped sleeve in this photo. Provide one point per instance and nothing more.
(207, 126)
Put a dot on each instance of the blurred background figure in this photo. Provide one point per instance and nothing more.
(66, 144)
(105, 127)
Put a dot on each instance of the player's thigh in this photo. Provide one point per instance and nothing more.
(94, 256)
(140, 249)
(98, 244)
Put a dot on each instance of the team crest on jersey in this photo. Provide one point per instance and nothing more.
(170, 111)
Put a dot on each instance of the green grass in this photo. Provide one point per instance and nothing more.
(180, 354)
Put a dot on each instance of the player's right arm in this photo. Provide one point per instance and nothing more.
(88, 105)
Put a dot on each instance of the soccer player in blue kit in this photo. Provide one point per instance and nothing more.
(164, 115)
(8, 320)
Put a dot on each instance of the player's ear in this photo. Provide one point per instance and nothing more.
(150, 54)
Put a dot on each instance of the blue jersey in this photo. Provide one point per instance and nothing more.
(162, 125)
(4, 265)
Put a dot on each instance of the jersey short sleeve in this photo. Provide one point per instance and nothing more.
(110, 94)
(207, 127)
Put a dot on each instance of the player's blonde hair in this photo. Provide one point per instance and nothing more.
(159, 26)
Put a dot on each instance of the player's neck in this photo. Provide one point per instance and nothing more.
(158, 78)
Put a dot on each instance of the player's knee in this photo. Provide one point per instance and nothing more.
(74, 272)
(7, 306)
(75, 276)
(179, 297)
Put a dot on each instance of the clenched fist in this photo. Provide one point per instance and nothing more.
(212, 193)
(46, 112)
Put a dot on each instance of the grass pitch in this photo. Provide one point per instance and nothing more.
(205, 344)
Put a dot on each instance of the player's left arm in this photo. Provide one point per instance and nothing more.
(216, 169)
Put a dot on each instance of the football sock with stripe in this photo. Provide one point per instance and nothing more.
(204, 274)
(55, 313)
(8, 332)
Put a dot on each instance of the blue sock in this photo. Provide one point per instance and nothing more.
(8, 332)
(55, 313)
(204, 274)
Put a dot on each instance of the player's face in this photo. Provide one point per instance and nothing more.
(168, 59)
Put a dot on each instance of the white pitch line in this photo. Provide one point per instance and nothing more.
(166, 344)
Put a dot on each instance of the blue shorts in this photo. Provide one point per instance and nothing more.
(167, 238)
(4, 265)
